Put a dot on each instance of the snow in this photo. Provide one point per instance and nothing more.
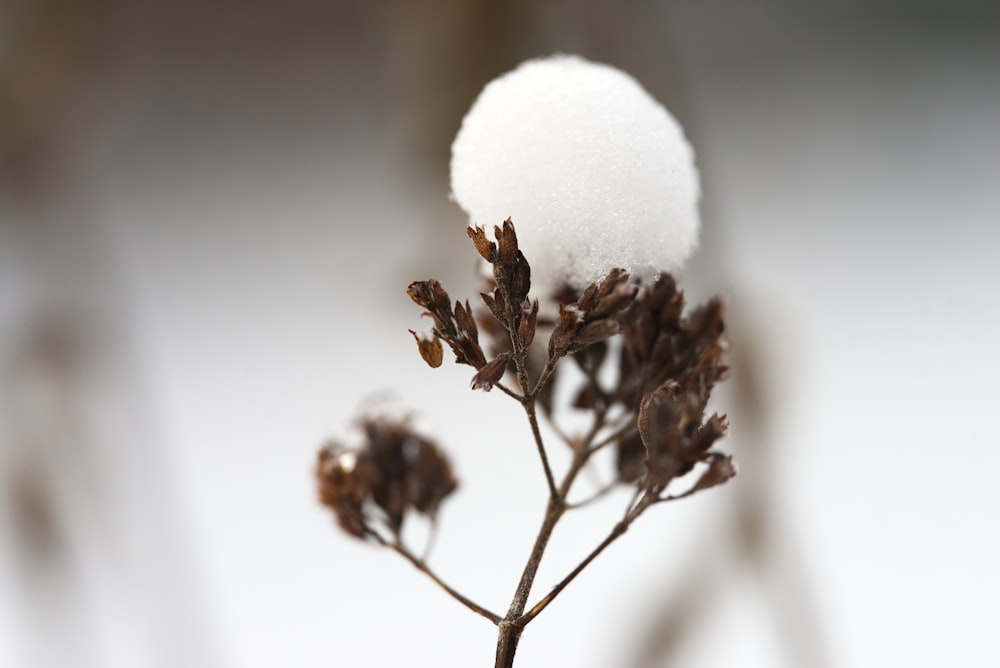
(593, 171)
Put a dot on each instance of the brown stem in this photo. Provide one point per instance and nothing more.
(543, 377)
(553, 512)
(510, 634)
(527, 398)
(513, 624)
(616, 533)
(529, 408)
(509, 392)
(426, 570)
(619, 529)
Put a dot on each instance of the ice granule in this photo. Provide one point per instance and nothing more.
(594, 172)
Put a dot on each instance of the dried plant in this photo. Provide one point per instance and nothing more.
(653, 414)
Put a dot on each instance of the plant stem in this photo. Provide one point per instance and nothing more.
(426, 570)
(510, 634)
(513, 623)
(615, 534)
(529, 408)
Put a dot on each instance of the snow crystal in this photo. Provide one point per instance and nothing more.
(594, 172)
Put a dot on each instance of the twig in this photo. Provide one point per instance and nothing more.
(596, 496)
(529, 408)
(422, 566)
(509, 392)
(616, 533)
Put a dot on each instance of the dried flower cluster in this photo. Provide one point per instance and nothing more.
(393, 472)
(652, 412)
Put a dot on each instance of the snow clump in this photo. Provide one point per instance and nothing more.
(594, 172)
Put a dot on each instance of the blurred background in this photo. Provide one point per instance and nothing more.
(209, 213)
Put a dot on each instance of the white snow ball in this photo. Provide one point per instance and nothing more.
(594, 172)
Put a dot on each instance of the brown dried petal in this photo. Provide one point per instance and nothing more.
(656, 414)
(529, 319)
(520, 282)
(592, 332)
(343, 491)
(496, 306)
(430, 348)
(707, 434)
(631, 460)
(430, 295)
(588, 299)
(466, 323)
(431, 478)
(491, 374)
(720, 469)
(565, 329)
(609, 283)
(507, 251)
(472, 353)
(485, 247)
(619, 299)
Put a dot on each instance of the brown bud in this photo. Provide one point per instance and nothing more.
(520, 282)
(491, 374)
(615, 301)
(485, 247)
(592, 332)
(495, 305)
(562, 334)
(470, 352)
(655, 412)
(430, 348)
(466, 323)
(720, 470)
(507, 240)
(528, 321)
(420, 293)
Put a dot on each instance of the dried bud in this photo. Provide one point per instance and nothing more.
(456, 328)
(343, 487)
(657, 416)
(631, 458)
(592, 332)
(529, 320)
(720, 470)
(465, 322)
(394, 470)
(486, 248)
(520, 279)
(496, 305)
(507, 252)
(430, 348)
(564, 331)
(491, 374)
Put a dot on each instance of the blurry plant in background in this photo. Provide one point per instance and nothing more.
(605, 181)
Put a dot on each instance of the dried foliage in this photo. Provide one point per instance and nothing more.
(652, 412)
(395, 471)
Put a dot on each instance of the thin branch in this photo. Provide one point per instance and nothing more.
(596, 496)
(554, 426)
(615, 534)
(543, 377)
(431, 540)
(553, 512)
(422, 566)
(529, 408)
(625, 429)
(521, 366)
(509, 392)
